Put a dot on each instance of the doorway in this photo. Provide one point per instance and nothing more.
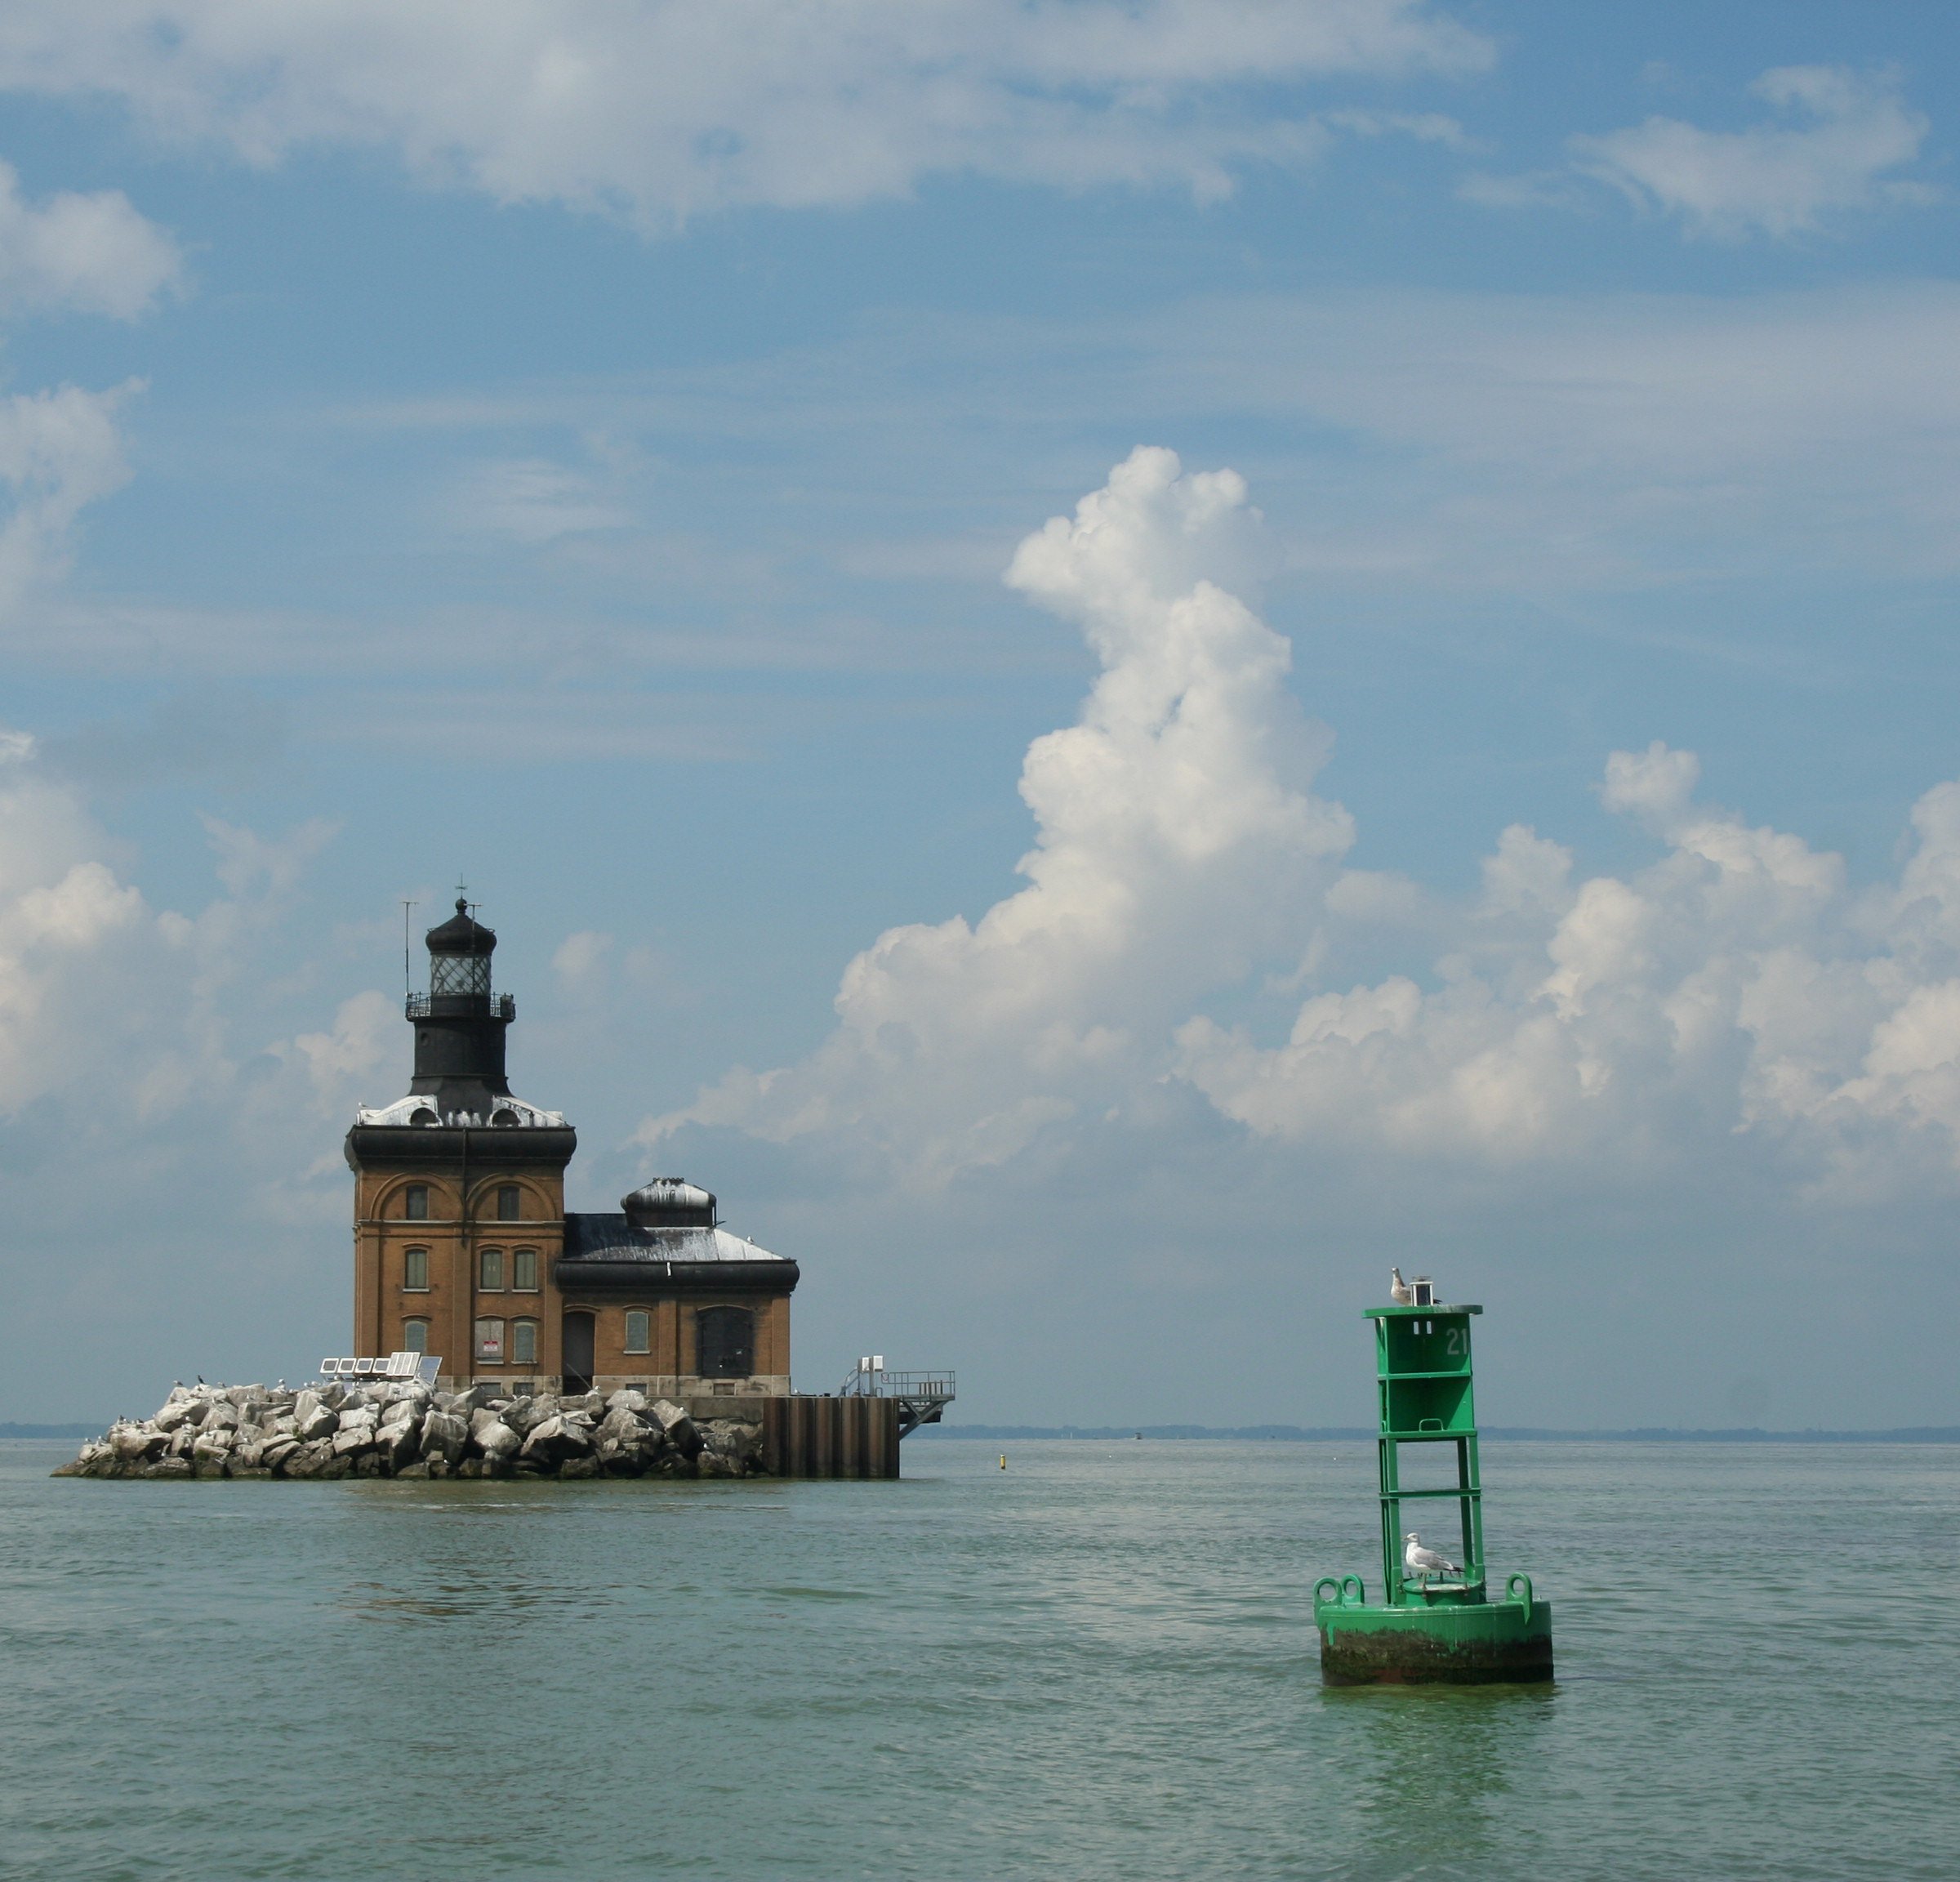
(579, 1346)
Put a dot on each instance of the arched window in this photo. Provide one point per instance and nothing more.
(637, 1322)
(509, 1203)
(415, 1270)
(415, 1202)
(523, 1342)
(415, 1336)
(725, 1342)
(490, 1270)
(490, 1342)
(524, 1270)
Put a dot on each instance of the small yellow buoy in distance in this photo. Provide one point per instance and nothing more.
(1003, 1460)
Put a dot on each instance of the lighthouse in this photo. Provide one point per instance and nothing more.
(464, 1249)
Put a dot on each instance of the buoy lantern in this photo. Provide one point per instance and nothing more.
(1437, 1622)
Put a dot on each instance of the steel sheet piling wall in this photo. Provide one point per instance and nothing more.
(806, 1437)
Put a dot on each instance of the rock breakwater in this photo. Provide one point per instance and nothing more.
(399, 1429)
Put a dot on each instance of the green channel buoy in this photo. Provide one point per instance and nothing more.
(1437, 1623)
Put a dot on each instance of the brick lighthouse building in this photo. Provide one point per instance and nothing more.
(463, 1248)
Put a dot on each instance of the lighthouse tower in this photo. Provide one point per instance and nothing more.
(460, 1187)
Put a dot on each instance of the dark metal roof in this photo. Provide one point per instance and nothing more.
(461, 934)
(607, 1237)
(606, 1251)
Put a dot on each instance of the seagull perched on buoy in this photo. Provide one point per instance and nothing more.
(1425, 1562)
(1399, 1290)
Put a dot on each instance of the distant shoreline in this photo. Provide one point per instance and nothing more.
(1302, 1434)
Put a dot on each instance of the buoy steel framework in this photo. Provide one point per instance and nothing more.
(1429, 1630)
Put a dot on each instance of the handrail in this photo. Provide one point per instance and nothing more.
(883, 1385)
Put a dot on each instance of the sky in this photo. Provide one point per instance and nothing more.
(1110, 663)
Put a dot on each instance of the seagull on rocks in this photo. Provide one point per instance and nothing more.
(1399, 1290)
(1425, 1562)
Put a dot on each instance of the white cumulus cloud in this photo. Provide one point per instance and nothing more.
(660, 108)
(1737, 985)
(1737, 995)
(1840, 137)
(89, 254)
(1178, 842)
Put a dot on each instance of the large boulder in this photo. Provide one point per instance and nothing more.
(495, 1439)
(181, 1407)
(555, 1441)
(138, 1443)
(399, 1438)
(356, 1435)
(677, 1427)
(524, 1415)
(443, 1436)
(735, 1439)
(313, 1417)
(481, 1422)
(617, 1435)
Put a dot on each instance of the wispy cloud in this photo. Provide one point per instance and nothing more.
(533, 500)
(662, 110)
(1839, 138)
(59, 452)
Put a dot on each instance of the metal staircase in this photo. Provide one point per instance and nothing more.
(923, 1397)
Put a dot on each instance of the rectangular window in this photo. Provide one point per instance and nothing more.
(415, 1270)
(524, 1270)
(415, 1336)
(636, 1330)
(523, 1343)
(507, 1197)
(415, 1202)
(490, 1270)
(490, 1341)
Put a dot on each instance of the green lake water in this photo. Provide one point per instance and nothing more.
(1099, 1663)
